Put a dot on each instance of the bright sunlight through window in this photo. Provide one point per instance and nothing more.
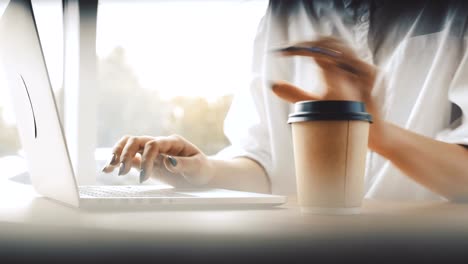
(172, 66)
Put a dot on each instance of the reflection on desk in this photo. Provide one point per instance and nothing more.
(385, 231)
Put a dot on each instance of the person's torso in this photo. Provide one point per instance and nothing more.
(417, 47)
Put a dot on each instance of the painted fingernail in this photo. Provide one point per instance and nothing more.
(172, 160)
(271, 84)
(278, 50)
(112, 159)
(122, 168)
(142, 175)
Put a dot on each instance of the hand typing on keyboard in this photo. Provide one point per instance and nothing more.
(171, 159)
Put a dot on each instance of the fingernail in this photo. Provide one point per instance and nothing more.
(104, 169)
(271, 84)
(279, 50)
(112, 159)
(142, 175)
(172, 160)
(122, 168)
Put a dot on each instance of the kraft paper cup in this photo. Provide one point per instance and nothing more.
(330, 144)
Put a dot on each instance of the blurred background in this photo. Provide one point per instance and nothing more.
(163, 67)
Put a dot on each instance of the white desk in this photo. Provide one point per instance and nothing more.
(29, 220)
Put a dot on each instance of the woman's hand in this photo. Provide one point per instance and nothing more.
(171, 159)
(345, 76)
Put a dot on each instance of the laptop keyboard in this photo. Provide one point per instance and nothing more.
(129, 192)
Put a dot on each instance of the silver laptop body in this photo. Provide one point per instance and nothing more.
(43, 140)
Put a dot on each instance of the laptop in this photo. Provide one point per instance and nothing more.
(44, 143)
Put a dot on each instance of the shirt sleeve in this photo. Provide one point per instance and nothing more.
(457, 133)
(256, 122)
(245, 124)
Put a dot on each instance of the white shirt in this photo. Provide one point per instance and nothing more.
(423, 86)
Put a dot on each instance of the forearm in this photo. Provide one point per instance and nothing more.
(239, 174)
(440, 166)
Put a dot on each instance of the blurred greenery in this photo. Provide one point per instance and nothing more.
(125, 108)
(199, 121)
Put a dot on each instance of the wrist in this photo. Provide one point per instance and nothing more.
(380, 136)
(212, 167)
(207, 171)
(201, 172)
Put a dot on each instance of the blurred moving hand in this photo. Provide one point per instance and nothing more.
(344, 75)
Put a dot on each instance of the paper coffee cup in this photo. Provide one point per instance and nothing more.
(330, 144)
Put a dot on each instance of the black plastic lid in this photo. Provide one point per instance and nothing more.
(329, 110)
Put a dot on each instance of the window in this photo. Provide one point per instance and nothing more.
(164, 67)
(172, 67)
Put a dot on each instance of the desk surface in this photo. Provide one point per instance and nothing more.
(25, 216)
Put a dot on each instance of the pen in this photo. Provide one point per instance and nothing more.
(324, 51)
